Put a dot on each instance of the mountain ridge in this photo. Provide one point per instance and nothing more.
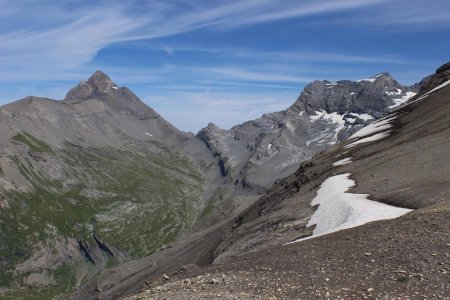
(84, 178)
(324, 113)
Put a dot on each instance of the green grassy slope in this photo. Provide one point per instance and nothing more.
(136, 199)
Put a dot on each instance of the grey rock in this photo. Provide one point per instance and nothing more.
(100, 87)
(254, 154)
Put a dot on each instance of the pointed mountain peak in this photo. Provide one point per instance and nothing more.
(100, 78)
(99, 83)
(214, 127)
(100, 87)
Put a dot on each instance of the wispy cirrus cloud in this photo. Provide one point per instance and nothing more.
(46, 46)
(63, 35)
(410, 15)
(299, 55)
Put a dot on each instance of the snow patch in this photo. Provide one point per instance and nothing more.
(364, 117)
(334, 118)
(342, 162)
(367, 79)
(350, 120)
(403, 99)
(269, 146)
(377, 126)
(148, 134)
(115, 87)
(352, 93)
(340, 210)
(371, 138)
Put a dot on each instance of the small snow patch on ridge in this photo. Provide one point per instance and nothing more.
(367, 79)
(403, 99)
(364, 117)
(371, 138)
(350, 120)
(377, 126)
(148, 134)
(342, 162)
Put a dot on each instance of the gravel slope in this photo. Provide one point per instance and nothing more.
(381, 260)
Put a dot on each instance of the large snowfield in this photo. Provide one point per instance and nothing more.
(339, 209)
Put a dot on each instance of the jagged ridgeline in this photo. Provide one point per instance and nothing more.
(88, 182)
(258, 152)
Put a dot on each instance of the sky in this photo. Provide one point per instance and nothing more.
(225, 62)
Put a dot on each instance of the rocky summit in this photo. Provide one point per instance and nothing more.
(256, 153)
(100, 87)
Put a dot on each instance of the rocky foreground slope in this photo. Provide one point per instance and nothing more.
(403, 160)
(84, 179)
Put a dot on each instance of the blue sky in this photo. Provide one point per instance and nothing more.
(200, 61)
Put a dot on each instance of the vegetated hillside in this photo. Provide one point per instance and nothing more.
(281, 215)
(88, 182)
(401, 160)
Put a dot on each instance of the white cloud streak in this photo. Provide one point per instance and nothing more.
(64, 35)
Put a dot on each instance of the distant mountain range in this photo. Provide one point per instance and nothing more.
(100, 179)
